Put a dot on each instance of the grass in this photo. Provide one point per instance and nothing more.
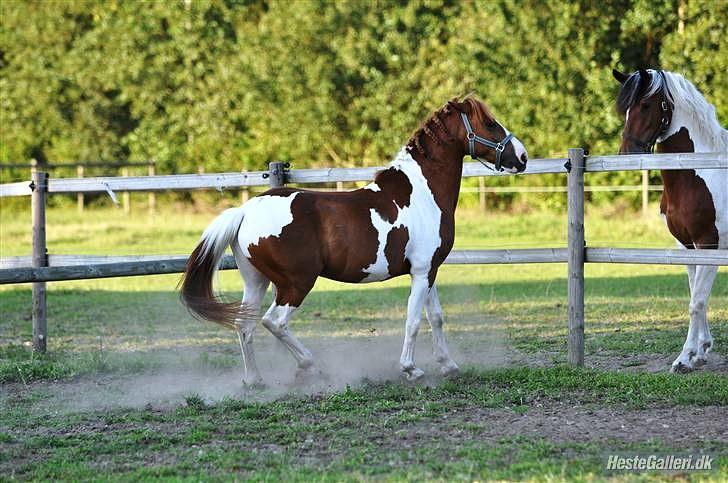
(346, 435)
(508, 323)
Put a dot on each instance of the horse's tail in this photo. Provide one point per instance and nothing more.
(196, 285)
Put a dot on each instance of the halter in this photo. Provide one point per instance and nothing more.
(474, 138)
(665, 120)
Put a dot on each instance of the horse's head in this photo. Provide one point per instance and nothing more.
(647, 106)
(484, 138)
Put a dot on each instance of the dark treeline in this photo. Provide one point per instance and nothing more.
(233, 84)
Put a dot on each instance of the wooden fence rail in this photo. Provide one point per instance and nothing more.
(41, 268)
(80, 267)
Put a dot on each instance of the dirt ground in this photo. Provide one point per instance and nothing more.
(349, 361)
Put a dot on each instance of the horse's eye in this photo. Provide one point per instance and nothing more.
(645, 105)
(491, 124)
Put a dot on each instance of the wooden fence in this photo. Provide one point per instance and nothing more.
(42, 268)
(80, 168)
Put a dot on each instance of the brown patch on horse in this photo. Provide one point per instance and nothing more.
(324, 228)
(447, 239)
(318, 240)
(686, 201)
(395, 183)
(291, 261)
(397, 240)
(198, 295)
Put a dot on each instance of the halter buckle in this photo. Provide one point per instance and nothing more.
(500, 147)
(471, 135)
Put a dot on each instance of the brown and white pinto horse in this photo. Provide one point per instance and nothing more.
(663, 108)
(401, 223)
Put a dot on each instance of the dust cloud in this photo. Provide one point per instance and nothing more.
(341, 360)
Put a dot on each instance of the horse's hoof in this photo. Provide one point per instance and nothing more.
(681, 368)
(254, 385)
(450, 370)
(414, 374)
(305, 376)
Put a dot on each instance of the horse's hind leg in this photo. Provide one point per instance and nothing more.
(276, 321)
(435, 318)
(256, 285)
(699, 341)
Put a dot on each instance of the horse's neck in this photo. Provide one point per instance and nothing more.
(701, 140)
(443, 172)
(680, 141)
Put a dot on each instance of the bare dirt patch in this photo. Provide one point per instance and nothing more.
(560, 421)
(342, 360)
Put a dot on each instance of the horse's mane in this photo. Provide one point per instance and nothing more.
(684, 96)
(701, 112)
(434, 127)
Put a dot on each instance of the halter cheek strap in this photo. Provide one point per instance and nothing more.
(474, 138)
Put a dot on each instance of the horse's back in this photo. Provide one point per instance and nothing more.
(371, 234)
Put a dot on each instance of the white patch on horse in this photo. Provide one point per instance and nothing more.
(373, 186)
(265, 216)
(379, 270)
(518, 148)
(707, 136)
(422, 219)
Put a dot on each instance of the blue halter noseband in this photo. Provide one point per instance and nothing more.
(474, 138)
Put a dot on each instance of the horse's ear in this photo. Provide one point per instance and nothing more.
(621, 77)
(456, 104)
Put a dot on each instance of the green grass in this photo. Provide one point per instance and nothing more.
(506, 323)
(350, 434)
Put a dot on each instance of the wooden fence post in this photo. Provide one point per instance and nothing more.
(277, 174)
(39, 186)
(577, 251)
(152, 195)
(79, 196)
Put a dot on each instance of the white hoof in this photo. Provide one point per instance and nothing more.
(306, 376)
(254, 383)
(414, 374)
(701, 358)
(681, 367)
(450, 369)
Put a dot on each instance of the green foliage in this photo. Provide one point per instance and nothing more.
(232, 84)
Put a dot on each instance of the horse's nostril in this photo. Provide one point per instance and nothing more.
(524, 157)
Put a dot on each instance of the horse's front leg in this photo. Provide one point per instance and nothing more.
(418, 293)
(433, 309)
(699, 341)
